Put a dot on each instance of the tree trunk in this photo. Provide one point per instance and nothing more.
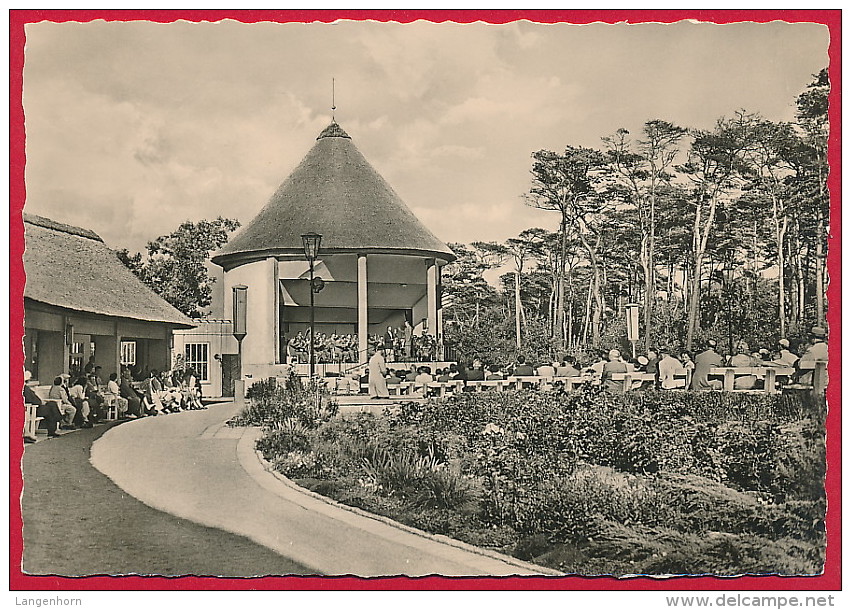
(595, 288)
(700, 237)
(780, 227)
(650, 272)
(820, 270)
(518, 307)
(560, 301)
(587, 321)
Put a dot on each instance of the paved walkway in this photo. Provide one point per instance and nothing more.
(192, 466)
(79, 523)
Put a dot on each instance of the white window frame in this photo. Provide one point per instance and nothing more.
(128, 353)
(199, 365)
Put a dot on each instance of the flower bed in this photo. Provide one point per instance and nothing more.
(588, 483)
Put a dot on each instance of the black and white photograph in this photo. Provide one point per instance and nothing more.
(369, 298)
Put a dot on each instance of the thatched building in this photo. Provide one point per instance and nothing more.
(80, 300)
(380, 264)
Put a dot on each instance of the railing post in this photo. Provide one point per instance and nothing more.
(819, 377)
(729, 379)
(627, 382)
(770, 382)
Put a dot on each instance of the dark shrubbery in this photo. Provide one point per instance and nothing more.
(650, 482)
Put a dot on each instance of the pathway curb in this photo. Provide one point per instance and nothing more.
(246, 447)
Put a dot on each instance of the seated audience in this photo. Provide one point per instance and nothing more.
(744, 359)
(476, 373)
(567, 368)
(133, 398)
(48, 411)
(521, 369)
(614, 365)
(688, 366)
(392, 378)
(785, 357)
(495, 373)
(424, 375)
(113, 389)
(671, 371)
(547, 370)
(703, 362)
(77, 392)
(59, 393)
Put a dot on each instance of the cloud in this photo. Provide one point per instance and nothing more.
(134, 127)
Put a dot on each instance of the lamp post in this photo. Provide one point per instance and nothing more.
(311, 242)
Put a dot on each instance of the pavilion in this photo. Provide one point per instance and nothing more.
(380, 264)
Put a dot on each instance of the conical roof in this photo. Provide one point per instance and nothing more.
(337, 193)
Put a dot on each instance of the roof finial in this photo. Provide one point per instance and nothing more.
(333, 103)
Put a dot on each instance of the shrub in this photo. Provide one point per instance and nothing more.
(603, 483)
(395, 472)
(283, 437)
(444, 487)
(271, 403)
(301, 464)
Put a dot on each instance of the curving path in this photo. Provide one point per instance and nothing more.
(79, 523)
(192, 466)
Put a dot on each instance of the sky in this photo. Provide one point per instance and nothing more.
(133, 128)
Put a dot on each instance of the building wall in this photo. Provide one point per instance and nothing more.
(260, 343)
(218, 335)
(52, 359)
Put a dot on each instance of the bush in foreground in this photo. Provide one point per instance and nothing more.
(591, 483)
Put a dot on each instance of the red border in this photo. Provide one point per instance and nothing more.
(830, 580)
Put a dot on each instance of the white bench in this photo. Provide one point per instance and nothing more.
(32, 420)
(630, 377)
(767, 373)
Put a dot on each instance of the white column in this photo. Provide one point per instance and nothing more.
(432, 297)
(363, 320)
(276, 314)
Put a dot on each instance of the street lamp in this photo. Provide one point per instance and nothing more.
(311, 242)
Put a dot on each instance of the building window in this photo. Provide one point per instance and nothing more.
(197, 357)
(128, 353)
(75, 358)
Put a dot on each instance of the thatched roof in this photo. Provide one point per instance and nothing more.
(337, 193)
(72, 268)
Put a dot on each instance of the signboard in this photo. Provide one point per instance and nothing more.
(240, 306)
(632, 321)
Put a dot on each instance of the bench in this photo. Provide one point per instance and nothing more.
(819, 377)
(630, 377)
(32, 421)
(767, 373)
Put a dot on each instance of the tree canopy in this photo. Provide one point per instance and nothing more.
(716, 233)
(174, 265)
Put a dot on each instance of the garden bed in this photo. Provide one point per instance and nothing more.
(587, 483)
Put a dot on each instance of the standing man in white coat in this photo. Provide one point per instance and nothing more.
(377, 370)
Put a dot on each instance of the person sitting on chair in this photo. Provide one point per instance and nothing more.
(48, 411)
(113, 388)
(77, 392)
(59, 393)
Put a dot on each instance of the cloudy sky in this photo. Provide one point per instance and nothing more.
(135, 127)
